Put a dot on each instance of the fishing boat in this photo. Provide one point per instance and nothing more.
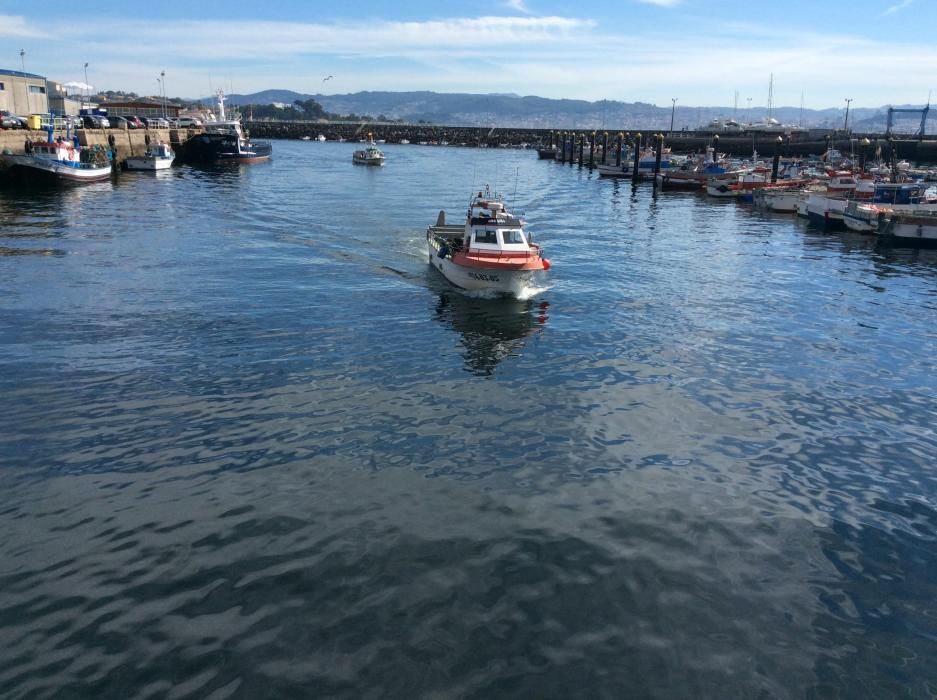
(223, 141)
(369, 155)
(867, 216)
(490, 251)
(157, 157)
(548, 153)
(57, 161)
(910, 228)
(320, 138)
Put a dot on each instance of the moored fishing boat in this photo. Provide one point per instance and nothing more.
(157, 157)
(866, 216)
(57, 161)
(491, 251)
(910, 228)
(225, 142)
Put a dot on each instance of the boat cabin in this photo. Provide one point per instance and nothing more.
(59, 150)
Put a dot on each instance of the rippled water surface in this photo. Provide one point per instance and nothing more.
(252, 445)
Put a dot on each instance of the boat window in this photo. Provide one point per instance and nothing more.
(512, 236)
(485, 237)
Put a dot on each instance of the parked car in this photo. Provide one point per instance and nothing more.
(95, 121)
(137, 124)
(8, 120)
(187, 122)
(120, 123)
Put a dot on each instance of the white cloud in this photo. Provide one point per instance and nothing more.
(661, 3)
(548, 56)
(517, 6)
(897, 7)
(14, 26)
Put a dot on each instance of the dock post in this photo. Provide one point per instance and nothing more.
(582, 144)
(637, 156)
(551, 138)
(659, 147)
(592, 151)
(621, 139)
(563, 147)
(777, 159)
(605, 148)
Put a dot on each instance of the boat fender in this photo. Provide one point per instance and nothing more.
(146, 139)
(547, 264)
(29, 146)
(111, 140)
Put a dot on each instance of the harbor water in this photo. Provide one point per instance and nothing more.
(252, 445)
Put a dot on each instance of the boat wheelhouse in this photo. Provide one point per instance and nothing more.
(56, 161)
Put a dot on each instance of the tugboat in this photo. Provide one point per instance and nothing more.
(224, 141)
(491, 251)
(57, 161)
(369, 155)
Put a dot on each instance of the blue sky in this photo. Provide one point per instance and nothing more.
(700, 51)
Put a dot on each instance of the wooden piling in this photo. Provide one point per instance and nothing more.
(637, 156)
(659, 149)
(621, 140)
(582, 143)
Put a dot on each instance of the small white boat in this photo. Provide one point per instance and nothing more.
(320, 137)
(58, 160)
(158, 157)
(914, 228)
(369, 155)
(306, 138)
(405, 141)
(780, 199)
(490, 251)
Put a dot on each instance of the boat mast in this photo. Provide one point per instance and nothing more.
(770, 95)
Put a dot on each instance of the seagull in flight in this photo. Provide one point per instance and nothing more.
(329, 77)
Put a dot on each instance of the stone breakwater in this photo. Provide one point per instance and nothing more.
(799, 144)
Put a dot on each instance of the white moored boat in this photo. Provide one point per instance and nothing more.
(490, 251)
(58, 160)
(158, 157)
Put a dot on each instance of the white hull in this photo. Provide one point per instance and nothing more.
(56, 170)
(150, 163)
(914, 230)
(776, 200)
(508, 282)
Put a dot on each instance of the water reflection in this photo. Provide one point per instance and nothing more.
(491, 329)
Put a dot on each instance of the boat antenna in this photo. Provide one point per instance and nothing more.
(514, 198)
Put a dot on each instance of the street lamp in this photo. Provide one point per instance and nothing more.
(673, 109)
(162, 74)
(846, 122)
(87, 87)
(749, 117)
(25, 84)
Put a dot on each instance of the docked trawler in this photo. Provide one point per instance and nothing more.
(224, 141)
(491, 251)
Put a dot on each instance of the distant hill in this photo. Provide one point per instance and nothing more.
(506, 110)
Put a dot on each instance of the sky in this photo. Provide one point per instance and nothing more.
(701, 52)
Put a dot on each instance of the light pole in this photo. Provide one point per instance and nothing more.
(87, 87)
(749, 114)
(162, 74)
(673, 110)
(25, 84)
(846, 121)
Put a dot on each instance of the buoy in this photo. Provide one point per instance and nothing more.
(547, 264)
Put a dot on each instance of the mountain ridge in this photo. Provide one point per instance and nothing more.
(531, 111)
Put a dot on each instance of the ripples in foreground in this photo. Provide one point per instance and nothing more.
(254, 447)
